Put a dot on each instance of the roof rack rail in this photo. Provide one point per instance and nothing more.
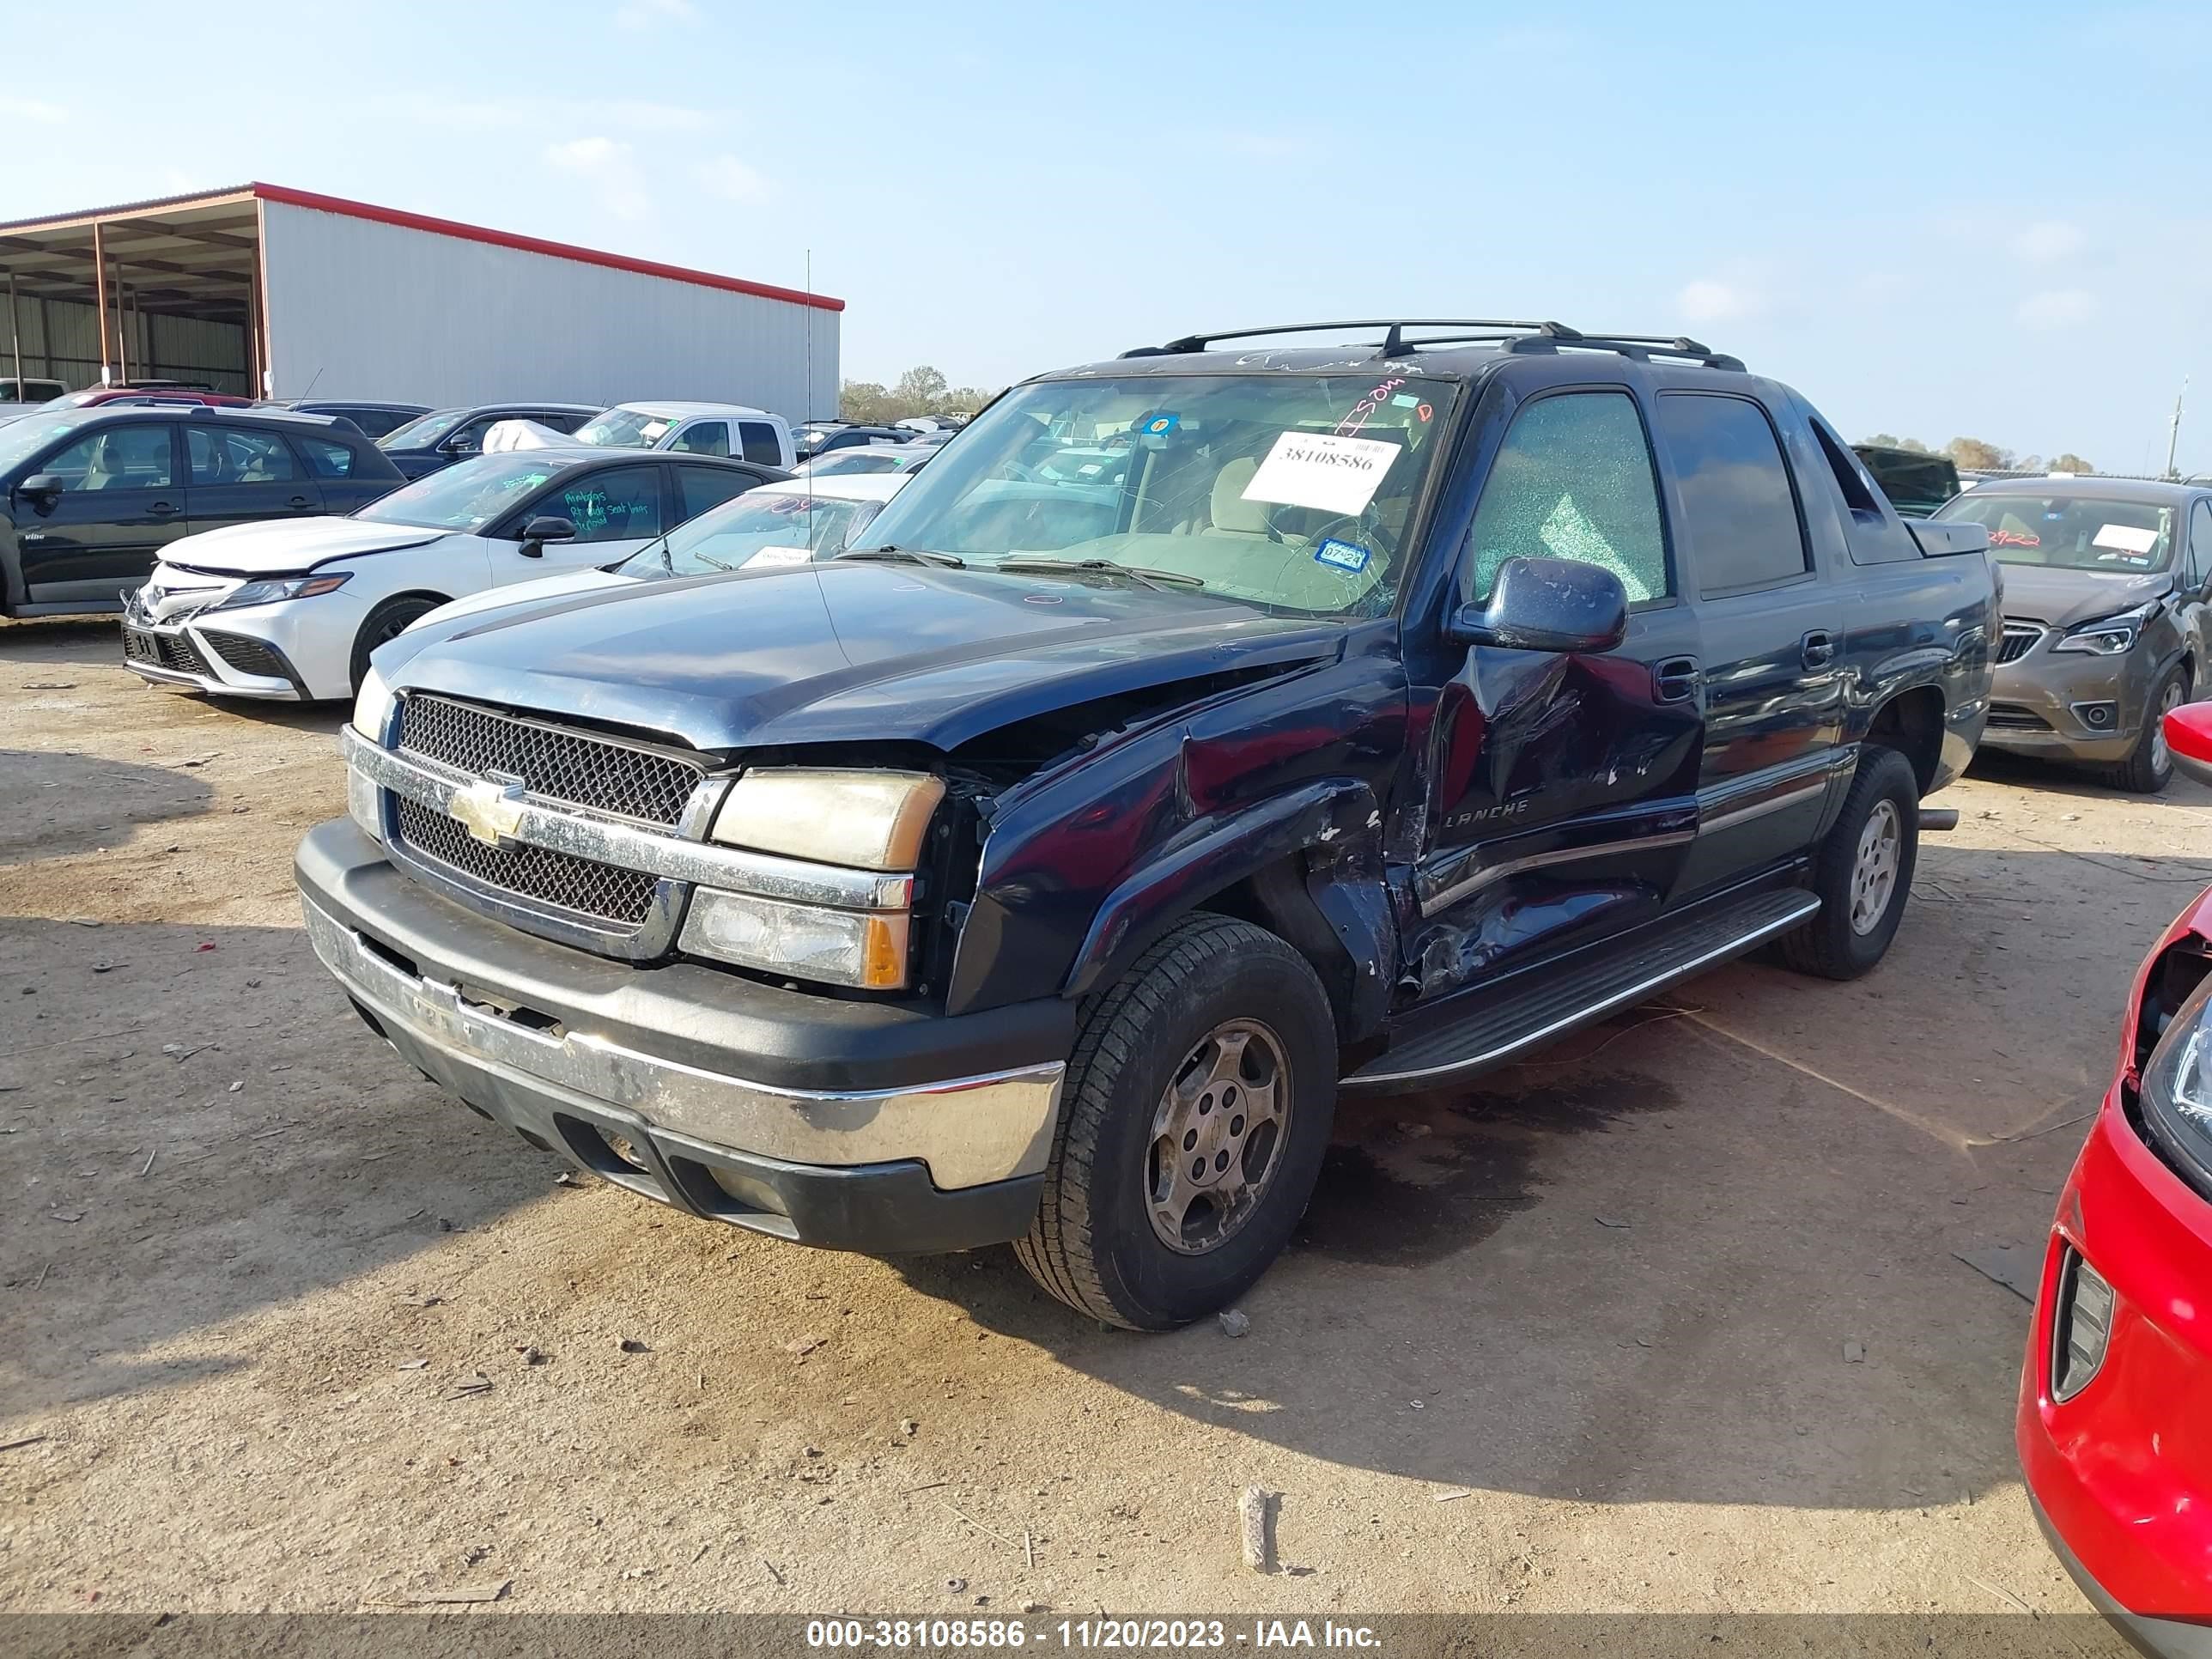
(1513, 334)
(1393, 343)
(1642, 348)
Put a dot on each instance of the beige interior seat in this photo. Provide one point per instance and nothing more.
(1231, 513)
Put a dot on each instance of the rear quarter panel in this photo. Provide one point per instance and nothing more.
(1910, 620)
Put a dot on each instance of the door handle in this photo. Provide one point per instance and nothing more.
(301, 501)
(1676, 679)
(1817, 649)
(162, 509)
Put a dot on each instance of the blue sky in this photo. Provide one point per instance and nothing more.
(1932, 219)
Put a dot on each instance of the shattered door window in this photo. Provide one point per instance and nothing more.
(1573, 480)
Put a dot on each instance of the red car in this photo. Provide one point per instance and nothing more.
(2115, 1420)
(145, 391)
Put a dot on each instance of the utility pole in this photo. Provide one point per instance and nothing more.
(2173, 431)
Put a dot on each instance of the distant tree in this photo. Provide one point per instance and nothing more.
(922, 389)
(920, 386)
(865, 402)
(2069, 462)
(1888, 440)
(1978, 457)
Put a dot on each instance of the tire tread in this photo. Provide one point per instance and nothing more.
(1820, 947)
(1061, 1250)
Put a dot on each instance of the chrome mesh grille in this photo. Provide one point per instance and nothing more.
(539, 873)
(601, 774)
(2020, 639)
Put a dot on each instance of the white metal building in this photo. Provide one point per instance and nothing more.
(272, 292)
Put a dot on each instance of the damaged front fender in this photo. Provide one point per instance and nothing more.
(1271, 793)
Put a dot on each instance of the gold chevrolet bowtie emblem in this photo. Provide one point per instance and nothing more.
(490, 812)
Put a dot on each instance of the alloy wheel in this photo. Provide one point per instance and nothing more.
(2161, 758)
(1217, 1136)
(1874, 871)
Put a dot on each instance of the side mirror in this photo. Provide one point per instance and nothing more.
(2188, 740)
(42, 489)
(538, 531)
(1547, 605)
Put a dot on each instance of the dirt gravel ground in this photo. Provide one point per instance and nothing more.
(285, 1329)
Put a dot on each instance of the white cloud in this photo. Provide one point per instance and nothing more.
(1262, 146)
(1707, 300)
(2057, 308)
(643, 117)
(733, 180)
(31, 109)
(2048, 241)
(526, 114)
(607, 166)
(643, 14)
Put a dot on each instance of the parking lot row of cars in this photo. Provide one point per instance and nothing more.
(169, 502)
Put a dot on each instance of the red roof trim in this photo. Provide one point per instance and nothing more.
(383, 216)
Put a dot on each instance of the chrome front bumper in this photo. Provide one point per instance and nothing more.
(969, 1131)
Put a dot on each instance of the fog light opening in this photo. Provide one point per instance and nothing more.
(2081, 1326)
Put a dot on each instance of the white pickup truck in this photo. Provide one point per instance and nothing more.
(735, 429)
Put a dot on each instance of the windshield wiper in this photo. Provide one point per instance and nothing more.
(909, 556)
(1136, 573)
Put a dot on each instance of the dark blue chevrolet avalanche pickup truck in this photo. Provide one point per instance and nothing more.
(1204, 734)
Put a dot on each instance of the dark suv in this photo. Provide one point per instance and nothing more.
(446, 435)
(1043, 866)
(88, 496)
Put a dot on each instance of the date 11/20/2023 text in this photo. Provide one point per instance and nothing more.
(1086, 1633)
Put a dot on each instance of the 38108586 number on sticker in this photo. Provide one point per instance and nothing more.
(1322, 470)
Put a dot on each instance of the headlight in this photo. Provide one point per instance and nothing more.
(856, 820)
(838, 947)
(2176, 1089)
(864, 820)
(281, 587)
(2108, 638)
(364, 804)
(371, 707)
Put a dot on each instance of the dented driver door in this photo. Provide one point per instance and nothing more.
(1562, 788)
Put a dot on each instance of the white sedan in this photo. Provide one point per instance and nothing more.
(291, 609)
(777, 525)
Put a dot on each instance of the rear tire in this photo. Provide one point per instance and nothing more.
(1861, 871)
(1218, 1016)
(385, 623)
(2149, 767)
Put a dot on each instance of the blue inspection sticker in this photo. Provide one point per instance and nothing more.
(1160, 425)
(1342, 556)
(1406, 400)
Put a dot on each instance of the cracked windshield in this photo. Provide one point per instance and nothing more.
(1294, 493)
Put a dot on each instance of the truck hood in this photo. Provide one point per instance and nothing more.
(2062, 598)
(279, 546)
(527, 593)
(840, 653)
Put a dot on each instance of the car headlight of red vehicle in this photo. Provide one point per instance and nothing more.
(2176, 1089)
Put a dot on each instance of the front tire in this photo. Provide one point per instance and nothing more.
(1196, 1111)
(387, 622)
(1861, 871)
(2149, 766)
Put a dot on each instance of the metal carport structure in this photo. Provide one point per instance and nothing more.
(265, 290)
